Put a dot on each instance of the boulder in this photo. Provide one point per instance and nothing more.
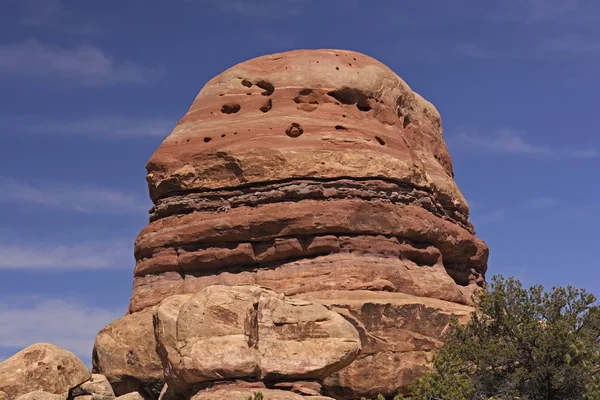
(41, 395)
(228, 332)
(131, 396)
(125, 353)
(99, 385)
(240, 393)
(41, 367)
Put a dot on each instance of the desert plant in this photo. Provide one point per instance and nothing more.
(520, 344)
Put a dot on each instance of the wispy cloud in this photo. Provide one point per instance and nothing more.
(55, 16)
(511, 142)
(543, 11)
(79, 198)
(487, 217)
(85, 65)
(65, 323)
(505, 142)
(544, 203)
(574, 43)
(261, 8)
(49, 256)
(478, 51)
(101, 127)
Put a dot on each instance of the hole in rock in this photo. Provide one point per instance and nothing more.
(338, 68)
(305, 92)
(207, 139)
(363, 106)
(267, 87)
(268, 105)
(188, 140)
(380, 140)
(222, 94)
(235, 133)
(247, 83)
(348, 95)
(248, 94)
(406, 121)
(223, 135)
(230, 108)
(340, 128)
(294, 130)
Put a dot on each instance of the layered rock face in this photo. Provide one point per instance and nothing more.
(318, 175)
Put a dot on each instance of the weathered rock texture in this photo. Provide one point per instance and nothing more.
(125, 352)
(317, 174)
(41, 367)
(229, 332)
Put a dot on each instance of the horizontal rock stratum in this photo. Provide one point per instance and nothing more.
(319, 175)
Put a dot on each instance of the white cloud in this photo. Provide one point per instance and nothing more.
(262, 8)
(80, 198)
(487, 217)
(511, 142)
(543, 11)
(105, 127)
(86, 64)
(55, 16)
(68, 324)
(573, 43)
(506, 142)
(59, 256)
(544, 202)
(589, 153)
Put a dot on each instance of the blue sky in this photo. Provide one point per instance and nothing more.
(88, 89)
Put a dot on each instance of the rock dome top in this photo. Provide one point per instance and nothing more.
(318, 114)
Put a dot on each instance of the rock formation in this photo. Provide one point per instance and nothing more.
(46, 372)
(41, 367)
(308, 176)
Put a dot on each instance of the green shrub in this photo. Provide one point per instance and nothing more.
(520, 344)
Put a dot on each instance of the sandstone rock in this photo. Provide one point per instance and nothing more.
(235, 195)
(95, 397)
(3, 395)
(40, 395)
(318, 398)
(98, 385)
(41, 367)
(227, 332)
(131, 396)
(301, 387)
(317, 174)
(125, 353)
(234, 393)
(399, 334)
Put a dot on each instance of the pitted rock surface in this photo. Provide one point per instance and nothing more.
(312, 172)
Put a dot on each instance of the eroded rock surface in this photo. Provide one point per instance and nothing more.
(229, 332)
(125, 353)
(312, 173)
(41, 367)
